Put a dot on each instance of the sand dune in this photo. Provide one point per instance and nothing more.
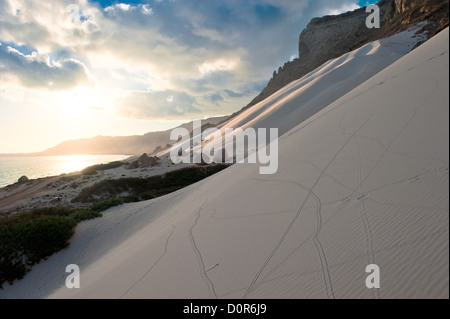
(301, 99)
(364, 181)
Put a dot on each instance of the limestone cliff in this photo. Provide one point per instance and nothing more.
(331, 36)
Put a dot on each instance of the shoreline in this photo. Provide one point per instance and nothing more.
(41, 192)
(39, 167)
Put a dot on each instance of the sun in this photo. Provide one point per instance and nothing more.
(74, 163)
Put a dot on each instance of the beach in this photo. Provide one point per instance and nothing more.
(41, 192)
(34, 167)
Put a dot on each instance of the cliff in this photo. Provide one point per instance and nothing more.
(332, 36)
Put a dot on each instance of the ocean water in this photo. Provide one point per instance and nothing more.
(12, 168)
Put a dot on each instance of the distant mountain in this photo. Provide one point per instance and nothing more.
(113, 145)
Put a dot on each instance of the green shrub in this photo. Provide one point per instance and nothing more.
(85, 214)
(92, 170)
(146, 188)
(27, 238)
(44, 236)
(105, 204)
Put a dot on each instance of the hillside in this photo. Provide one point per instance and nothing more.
(114, 145)
(302, 98)
(329, 37)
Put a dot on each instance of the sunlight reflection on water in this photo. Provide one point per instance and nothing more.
(12, 168)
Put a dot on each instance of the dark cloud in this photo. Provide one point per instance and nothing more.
(168, 105)
(209, 83)
(233, 94)
(214, 98)
(35, 71)
(178, 46)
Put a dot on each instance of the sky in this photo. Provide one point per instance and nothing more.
(77, 69)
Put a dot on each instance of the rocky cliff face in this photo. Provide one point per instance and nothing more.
(332, 36)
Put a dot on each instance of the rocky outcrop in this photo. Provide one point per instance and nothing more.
(332, 36)
(144, 161)
(23, 179)
(402, 5)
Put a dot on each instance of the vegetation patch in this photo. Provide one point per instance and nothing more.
(30, 237)
(92, 170)
(138, 189)
(103, 205)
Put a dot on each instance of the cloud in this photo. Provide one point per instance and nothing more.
(146, 9)
(119, 6)
(195, 51)
(35, 70)
(218, 65)
(233, 94)
(214, 98)
(344, 8)
(114, 9)
(166, 105)
(209, 83)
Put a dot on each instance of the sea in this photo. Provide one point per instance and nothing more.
(12, 168)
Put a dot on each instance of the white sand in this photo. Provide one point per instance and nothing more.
(363, 181)
(299, 100)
